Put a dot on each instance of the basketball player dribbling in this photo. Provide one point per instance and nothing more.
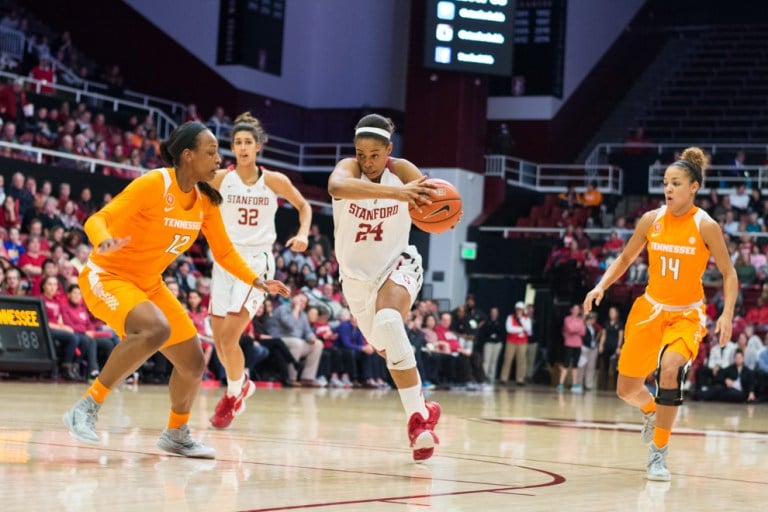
(137, 235)
(666, 324)
(380, 273)
(248, 209)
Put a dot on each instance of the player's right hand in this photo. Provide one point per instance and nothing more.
(112, 245)
(596, 295)
(272, 286)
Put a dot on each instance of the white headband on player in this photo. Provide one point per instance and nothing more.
(376, 131)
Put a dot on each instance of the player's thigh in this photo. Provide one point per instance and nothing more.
(642, 340)
(182, 328)
(684, 332)
(110, 298)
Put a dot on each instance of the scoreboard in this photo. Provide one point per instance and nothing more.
(25, 342)
(469, 35)
(539, 51)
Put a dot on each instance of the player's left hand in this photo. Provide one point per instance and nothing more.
(298, 243)
(724, 327)
(272, 286)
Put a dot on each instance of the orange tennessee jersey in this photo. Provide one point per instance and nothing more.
(677, 257)
(150, 211)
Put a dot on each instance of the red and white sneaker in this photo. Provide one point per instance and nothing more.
(231, 406)
(421, 432)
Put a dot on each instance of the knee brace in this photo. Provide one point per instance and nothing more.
(388, 334)
(671, 396)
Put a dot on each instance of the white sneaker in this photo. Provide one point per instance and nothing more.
(81, 420)
(336, 382)
(649, 425)
(180, 442)
(657, 464)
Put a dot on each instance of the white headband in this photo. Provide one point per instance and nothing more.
(376, 131)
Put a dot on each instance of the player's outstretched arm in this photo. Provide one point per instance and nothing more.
(345, 183)
(712, 235)
(620, 265)
(282, 186)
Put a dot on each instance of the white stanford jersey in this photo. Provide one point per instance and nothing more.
(370, 233)
(248, 211)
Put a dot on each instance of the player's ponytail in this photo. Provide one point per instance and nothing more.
(693, 161)
(211, 193)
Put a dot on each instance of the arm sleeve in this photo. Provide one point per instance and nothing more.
(221, 246)
(512, 328)
(126, 204)
(306, 330)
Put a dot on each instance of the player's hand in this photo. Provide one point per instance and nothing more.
(417, 193)
(112, 245)
(272, 286)
(596, 295)
(298, 243)
(724, 327)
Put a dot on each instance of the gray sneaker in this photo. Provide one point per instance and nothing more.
(657, 464)
(180, 442)
(649, 425)
(81, 420)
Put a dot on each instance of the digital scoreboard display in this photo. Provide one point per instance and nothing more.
(539, 51)
(251, 34)
(25, 342)
(470, 35)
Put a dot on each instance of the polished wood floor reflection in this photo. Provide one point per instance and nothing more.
(346, 450)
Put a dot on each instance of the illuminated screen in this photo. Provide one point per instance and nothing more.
(470, 35)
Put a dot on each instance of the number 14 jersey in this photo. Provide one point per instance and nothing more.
(677, 257)
(370, 234)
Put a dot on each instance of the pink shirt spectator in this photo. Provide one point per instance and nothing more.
(573, 330)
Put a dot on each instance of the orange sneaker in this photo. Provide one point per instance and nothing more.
(421, 432)
(231, 406)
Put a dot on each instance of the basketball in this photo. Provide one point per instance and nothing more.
(444, 212)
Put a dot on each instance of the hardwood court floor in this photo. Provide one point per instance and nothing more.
(331, 450)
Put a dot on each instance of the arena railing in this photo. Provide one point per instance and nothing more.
(12, 43)
(38, 155)
(93, 165)
(723, 178)
(163, 122)
(176, 108)
(601, 153)
(554, 177)
(301, 156)
(596, 234)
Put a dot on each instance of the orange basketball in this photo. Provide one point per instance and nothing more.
(444, 212)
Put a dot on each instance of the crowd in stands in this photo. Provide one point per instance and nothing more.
(307, 340)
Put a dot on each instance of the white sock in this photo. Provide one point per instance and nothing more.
(413, 401)
(235, 386)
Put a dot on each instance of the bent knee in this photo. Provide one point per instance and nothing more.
(668, 377)
(155, 334)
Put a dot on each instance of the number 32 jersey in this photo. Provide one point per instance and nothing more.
(151, 211)
(677, 257)
(248, 211)
(370, 234)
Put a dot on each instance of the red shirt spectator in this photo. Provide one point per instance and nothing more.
(9, 213)
(446, 335)
(75, 314)
(45, 73)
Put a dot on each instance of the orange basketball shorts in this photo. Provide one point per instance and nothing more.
(111, 298)
(651, 326)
